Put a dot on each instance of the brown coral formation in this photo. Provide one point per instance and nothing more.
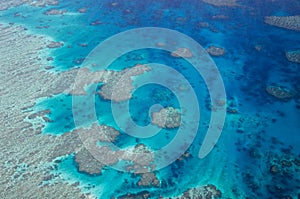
(141, 157)
(228, 3)
(108, 156)
(101, 133)
(215, 51)
(22, 75)
(87, 163)
(118, 84)
(279, 92)
(283, 169)
(140, 195)
(293, 56)
(219, 17)
(206, 192)
(38, 3)
(167, 118)
(182, 52)
(274, 169)
(148, 180)
(258, 47)
(43, 3)
(55, 45)
(95, 23)
(82, 10)
(71, 141)
(55, 12)
(288, 22)
(118, 87)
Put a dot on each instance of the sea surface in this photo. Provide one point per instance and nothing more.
(260, 130)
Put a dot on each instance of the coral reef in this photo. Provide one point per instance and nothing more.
(217, 17)
(148, 180)
(102, 133)
(39, 114)
(95, 23)
(138, 159)
(258, 47)
(215, 51)
(141, 158)
(279, 92)
(82, 10)
(38, 3)
(91, 157)
(140, 195)
(182, 52)
(221, 2)
(293, 56)
(87, 163)
(55, 12)
(85, 160)
(117, 84)
(232, 106)
(118, 87)
(22, 141)
(167, 118)
(55, 45)
(43, 3)
(206, 192)
(26, 154)
(288, 22)
(284, 179)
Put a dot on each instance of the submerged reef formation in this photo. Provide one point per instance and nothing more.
(288, 22)
(140, 195)
(28, 158)
(55, 45)
(87, 163)
(218, 17)
(215, 51)
(13, 3)
(55, 12)
(91, 156)
(102, 133)
(206, 192)
(117, 84)
(141, 158)
(148, 180)
(269, 156)
(284, 178)
(221, 2)
(167, 118)
(138, 159)
(293, 56)
(22, 144)
(182, 52)
(209, 191)
(82, 10)
(71, 141)
(279, 92)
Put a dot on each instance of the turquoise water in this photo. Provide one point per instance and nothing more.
(264, 132)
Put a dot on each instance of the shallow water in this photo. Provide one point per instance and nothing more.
(262, 132)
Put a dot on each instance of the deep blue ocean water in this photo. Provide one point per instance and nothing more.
(264, 130)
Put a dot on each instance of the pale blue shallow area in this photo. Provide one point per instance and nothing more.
(264, 131)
